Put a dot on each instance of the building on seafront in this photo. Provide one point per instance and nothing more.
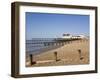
(69, 36)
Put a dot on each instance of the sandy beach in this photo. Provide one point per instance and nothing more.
(73, 53)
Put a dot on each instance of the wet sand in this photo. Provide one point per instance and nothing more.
(73, 53)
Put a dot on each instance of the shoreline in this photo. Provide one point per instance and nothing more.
(68, 52)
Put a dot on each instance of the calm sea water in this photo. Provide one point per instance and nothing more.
(36, 45)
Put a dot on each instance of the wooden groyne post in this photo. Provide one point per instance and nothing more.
(80, 54)
(55, 55)
(32, 61)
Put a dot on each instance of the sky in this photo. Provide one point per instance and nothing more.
(48, 25)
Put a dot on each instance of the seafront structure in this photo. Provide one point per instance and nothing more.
(37, 44)
(69, 36)
(66, 38)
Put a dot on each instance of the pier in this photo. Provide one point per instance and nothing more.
(53, 42)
